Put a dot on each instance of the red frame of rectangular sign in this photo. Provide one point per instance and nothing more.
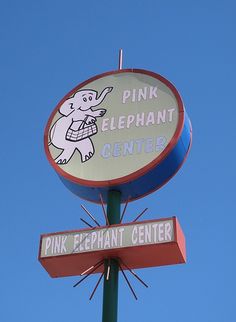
(167, 253)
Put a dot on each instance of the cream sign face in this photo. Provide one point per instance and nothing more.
(114, 127)
(108, 238)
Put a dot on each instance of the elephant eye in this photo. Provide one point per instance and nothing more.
(85, 99)
(90, 98)
(71, 105)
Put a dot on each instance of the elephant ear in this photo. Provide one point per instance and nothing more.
(67, 107)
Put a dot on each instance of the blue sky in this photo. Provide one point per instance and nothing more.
(49, 47)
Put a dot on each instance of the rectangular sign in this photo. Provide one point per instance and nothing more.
(142, 244)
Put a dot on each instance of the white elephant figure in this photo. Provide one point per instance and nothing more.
(72, 131)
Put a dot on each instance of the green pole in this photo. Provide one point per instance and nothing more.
(110, 286)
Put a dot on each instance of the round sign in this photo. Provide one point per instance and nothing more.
(123, 130)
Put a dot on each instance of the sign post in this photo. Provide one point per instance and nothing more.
(110, 288)
(110, 291)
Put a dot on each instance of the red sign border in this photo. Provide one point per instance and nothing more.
(138, 173)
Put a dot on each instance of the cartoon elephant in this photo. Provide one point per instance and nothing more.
(72, 131)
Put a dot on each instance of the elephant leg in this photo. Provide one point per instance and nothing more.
(66, 155)
(86, 149)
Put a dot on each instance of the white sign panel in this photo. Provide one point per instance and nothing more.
(111, 237)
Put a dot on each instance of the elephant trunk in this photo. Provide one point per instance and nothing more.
(102, 96)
